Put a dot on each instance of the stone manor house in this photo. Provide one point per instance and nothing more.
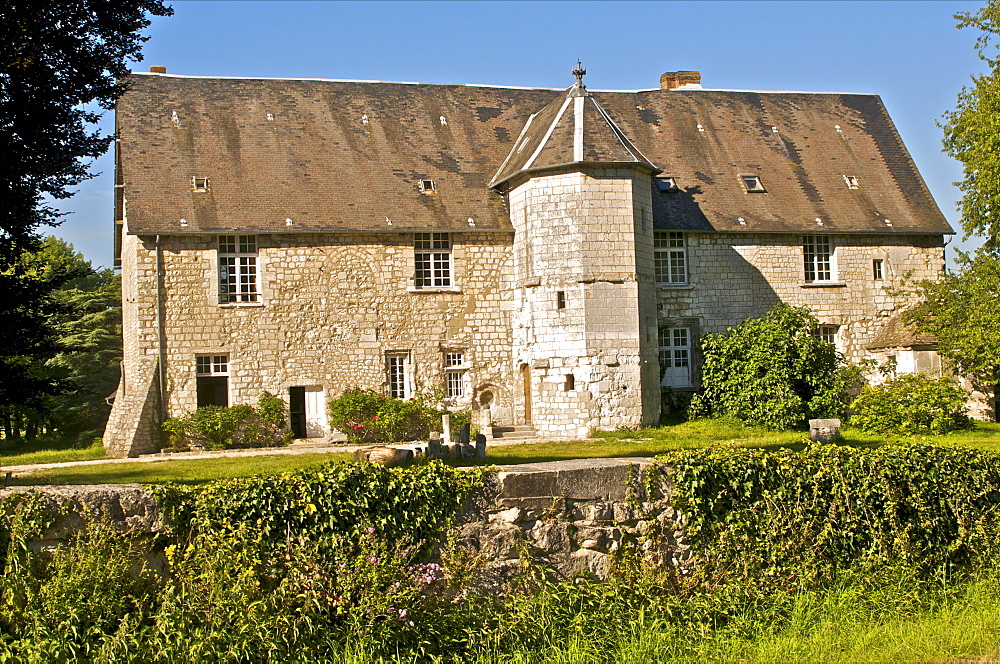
(545, 257)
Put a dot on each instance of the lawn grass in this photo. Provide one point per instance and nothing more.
(48, 451)
(647, 442)
(183, 471)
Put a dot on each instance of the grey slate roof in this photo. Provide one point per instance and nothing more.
(345, 156)
(897, 333)
(572, 129)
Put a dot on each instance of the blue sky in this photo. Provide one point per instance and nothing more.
(908, 52)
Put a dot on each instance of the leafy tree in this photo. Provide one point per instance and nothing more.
(62, 62)
(972, 131)
(77, 366)
(963, 312)
(774, 372)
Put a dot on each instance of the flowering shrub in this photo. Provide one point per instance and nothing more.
(366, 416)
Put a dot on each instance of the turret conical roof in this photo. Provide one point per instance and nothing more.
(571, 129)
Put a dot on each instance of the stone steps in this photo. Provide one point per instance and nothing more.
(520, 432)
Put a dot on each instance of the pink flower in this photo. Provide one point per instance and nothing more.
(375, 418)
(358, 426)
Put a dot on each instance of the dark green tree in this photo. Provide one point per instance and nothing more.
(62, 63)
(773, 371)
(77, 367)
(972, 131)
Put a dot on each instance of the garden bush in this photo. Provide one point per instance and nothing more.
(820, 549)
(773, 372)
(224, 427)
(808, 518)
(366, 416)
(910, 404)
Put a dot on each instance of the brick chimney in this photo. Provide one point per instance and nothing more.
(680, 79)
(160, 69)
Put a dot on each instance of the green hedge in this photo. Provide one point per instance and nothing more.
(806, 517)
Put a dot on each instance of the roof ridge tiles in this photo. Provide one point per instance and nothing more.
(495, 86)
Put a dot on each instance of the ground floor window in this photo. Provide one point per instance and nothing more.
(675, 357)
(454, 374)
(828, 333)
(212, 376)
(398, 375)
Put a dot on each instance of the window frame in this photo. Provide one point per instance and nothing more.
(674, 356)
(756, 188)
(878, 269)
(670, 258)
(818, 253)
(238, 269)
(399, 374)
(211, 370)
(829, 333)
(666, 184)
(433, 260)
(454, 374)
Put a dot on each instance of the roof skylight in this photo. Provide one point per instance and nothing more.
(753, 184)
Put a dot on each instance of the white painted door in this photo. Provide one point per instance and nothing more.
(316, 422)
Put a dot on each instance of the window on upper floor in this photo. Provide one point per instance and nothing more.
(238, 278)
(675, 356)
(670, 257)
(212, 380)
(852, 182)
(877, 272)
(817, 255)
(399, 375)
(432, 263)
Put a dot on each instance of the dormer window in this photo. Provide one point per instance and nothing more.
(852, 182)
(200, 184)
(666, 184)
(426, 185)
(753, 184)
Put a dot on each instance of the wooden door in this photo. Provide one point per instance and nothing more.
(297, 411)
(315, 412)
(526, 375)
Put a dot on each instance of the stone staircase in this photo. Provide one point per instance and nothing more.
(521, 432)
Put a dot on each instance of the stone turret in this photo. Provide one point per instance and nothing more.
(584, 327)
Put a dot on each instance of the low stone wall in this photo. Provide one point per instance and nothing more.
(571, 516)
(568, 516)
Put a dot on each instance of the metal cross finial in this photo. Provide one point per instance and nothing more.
(579, 72)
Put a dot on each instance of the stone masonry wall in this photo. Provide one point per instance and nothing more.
(567, 516)
(579, 298)
(733, 277)
(332, 307)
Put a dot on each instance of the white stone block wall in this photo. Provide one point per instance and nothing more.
(733, 277)
(580, 234)
(333, 305)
